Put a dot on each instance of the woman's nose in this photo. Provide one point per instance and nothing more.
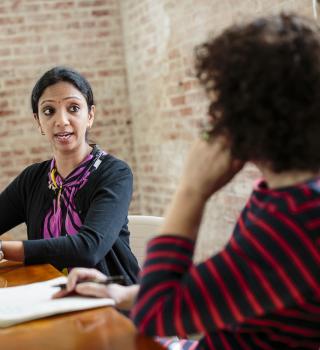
(62, 118)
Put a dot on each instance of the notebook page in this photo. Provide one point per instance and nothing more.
(32, 301)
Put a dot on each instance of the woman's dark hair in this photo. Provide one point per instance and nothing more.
(264, 81)
(56, 75)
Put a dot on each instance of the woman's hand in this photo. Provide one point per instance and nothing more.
(78, 278)
(209, 167)
(80, 275)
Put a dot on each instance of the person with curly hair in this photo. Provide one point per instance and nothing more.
(262, 290)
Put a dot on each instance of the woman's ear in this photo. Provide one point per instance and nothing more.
(91, 116)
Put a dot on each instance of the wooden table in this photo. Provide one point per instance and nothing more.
(103, 328)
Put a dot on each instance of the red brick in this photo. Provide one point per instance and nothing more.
(176, 101)
(6, 113)
(101, 13)
(91, 3)
(186, 111)
(11, 20)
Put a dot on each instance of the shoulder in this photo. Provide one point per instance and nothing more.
(112, 175)
(34, 171)
(31, 180)
(113, 167)
(111, 172)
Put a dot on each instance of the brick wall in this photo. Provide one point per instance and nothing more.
(38, 34)
(138, 56)
(166, 102)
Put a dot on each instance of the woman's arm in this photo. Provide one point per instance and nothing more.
(12, 204)
(209, 167)
(170, 286)
(258, 273)
(12, 209)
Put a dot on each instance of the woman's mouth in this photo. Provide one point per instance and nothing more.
(63, 136)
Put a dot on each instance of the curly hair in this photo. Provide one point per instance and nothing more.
(263, 79)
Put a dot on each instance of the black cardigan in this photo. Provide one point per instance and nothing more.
(103, 239)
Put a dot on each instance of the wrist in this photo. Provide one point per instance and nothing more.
(13, 250)
(190, 192)
(128, 297)
(184, 213)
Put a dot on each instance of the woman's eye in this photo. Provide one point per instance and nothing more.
(48, 111)
(74, 108)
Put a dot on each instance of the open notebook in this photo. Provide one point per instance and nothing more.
(32, 301)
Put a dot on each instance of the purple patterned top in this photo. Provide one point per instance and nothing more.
(62, 218)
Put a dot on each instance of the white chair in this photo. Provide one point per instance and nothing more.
(142, 229)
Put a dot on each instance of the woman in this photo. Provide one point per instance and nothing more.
(262, 291)
(75, 206)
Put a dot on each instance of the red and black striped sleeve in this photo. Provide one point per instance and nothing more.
(268, 265)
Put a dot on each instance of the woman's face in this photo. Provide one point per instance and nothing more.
(63, 117)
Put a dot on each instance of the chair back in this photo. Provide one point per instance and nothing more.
(142, 229)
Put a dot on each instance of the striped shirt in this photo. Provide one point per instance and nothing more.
(262, 291)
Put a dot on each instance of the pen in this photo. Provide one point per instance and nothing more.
(111, 279)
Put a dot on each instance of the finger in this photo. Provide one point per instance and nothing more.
(82, 274)
(60, 294)
(76, 275)
(85, 273)
(92, 289)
